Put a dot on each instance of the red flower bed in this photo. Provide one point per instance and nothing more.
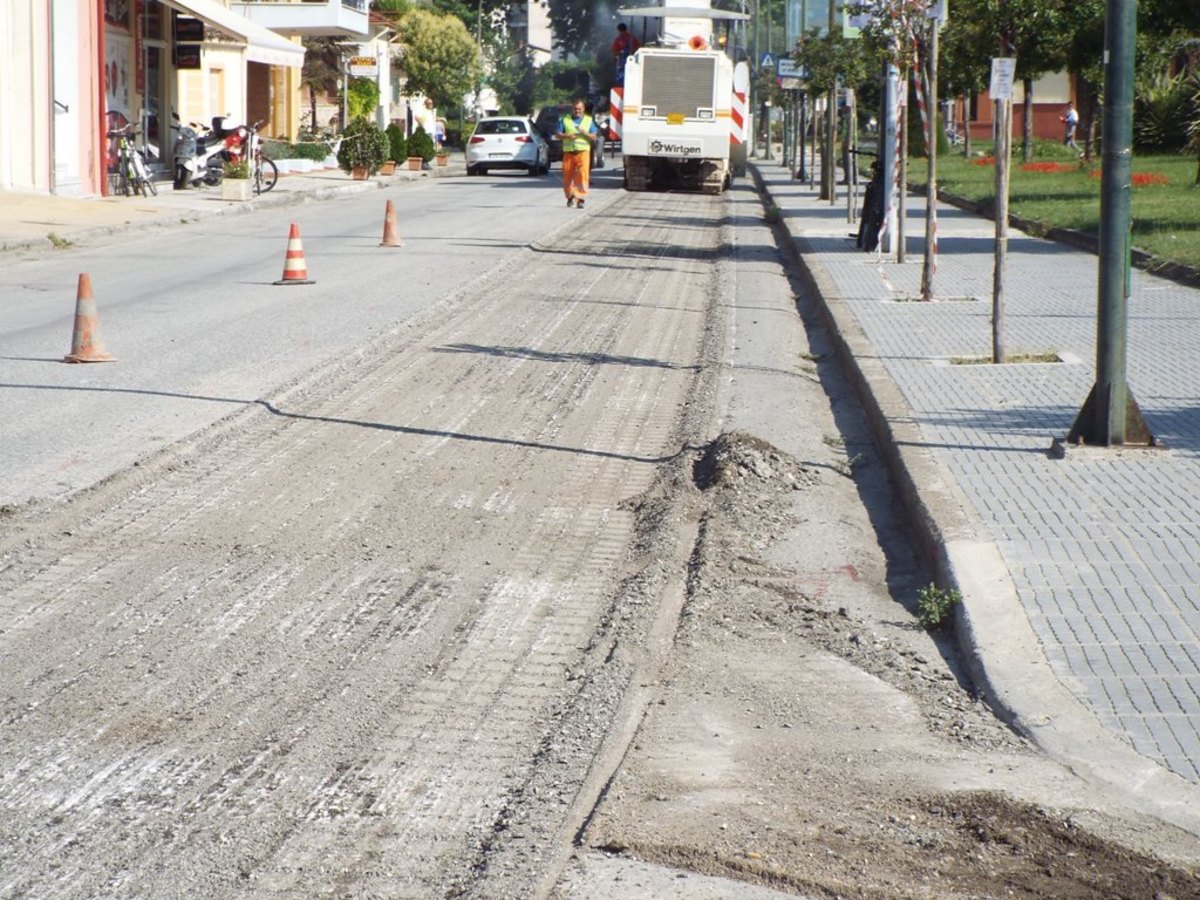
(1047, 168)
(984, 161)
(1140, 179)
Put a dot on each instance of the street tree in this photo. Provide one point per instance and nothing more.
(439, 58)
(322, 73)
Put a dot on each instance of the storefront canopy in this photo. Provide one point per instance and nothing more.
(262, 44)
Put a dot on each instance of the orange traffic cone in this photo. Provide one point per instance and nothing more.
(391, 233)
(86, 345)
(295, 271)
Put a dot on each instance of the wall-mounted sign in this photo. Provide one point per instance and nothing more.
(188, 30)
(187, 56)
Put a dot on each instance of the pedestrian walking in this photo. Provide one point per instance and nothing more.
(1070, 120)
(577, 131)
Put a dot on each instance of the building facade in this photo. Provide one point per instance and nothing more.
(72, 70)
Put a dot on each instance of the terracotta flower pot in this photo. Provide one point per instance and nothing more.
(414, 163)
(388, 168)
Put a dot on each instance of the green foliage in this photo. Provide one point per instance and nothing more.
(420, 143)
(440, 58)
(828, 57)
(314, 151)
(397, 142)
(1161, 110)
(362, 98)
(364, 145)
(935, 605)
(276, 149)
(237, 170)
(557, 82)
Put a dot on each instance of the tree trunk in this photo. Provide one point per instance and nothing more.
(1001, 155)
(967, 126)
(1027, 122)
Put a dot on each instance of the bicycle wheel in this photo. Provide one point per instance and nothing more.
(125, 181)
(266, 173)
(145, 183)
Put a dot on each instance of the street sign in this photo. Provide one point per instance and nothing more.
(791, 84)
(363, 66)
(1001, 86)
(767, 61)
(789, 68)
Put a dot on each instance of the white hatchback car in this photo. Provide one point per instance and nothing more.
(507, 142)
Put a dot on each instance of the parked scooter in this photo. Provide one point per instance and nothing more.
(198, 156)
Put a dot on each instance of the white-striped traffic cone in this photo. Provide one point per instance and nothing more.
(295, 271)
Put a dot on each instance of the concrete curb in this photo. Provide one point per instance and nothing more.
(997, 642)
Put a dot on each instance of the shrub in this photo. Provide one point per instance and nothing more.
(421, 144)
(239, 169)
(364, 145)
(277, 149)
(397, 143)
(314, 151)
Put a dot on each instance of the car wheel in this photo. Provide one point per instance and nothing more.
(472, 170)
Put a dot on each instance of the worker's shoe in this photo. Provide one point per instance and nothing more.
(570, 201)
(579, 203)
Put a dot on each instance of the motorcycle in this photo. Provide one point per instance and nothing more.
(200, 154)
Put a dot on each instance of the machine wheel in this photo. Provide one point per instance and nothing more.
(181, 178)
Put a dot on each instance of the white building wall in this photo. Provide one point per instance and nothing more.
(24, 95)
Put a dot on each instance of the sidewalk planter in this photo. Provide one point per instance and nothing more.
(359, 173)
(388, 167)
(235, 189)
(443, 159)
(414, 163)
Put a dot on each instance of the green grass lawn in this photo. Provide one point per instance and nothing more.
(1166, 211)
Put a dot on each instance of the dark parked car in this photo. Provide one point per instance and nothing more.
(547, 123)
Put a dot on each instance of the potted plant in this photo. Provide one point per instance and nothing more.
(235, 183)
(420, 147)
(398, 147)
(364, 148)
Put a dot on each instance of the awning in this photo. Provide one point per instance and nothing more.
(262, 44)
(680, 12)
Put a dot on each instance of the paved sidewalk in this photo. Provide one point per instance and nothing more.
(29, 220)
(1080, 573)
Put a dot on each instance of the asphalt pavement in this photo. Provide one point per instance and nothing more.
(1079, 570)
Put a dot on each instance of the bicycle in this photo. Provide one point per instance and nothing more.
(263, 170)
(132, 172)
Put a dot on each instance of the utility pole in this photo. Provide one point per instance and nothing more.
(1110, 416)
(830, 180)
(931, 107)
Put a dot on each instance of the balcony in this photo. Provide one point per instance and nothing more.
(307, 18)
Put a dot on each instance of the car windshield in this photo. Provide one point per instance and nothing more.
(502, 126)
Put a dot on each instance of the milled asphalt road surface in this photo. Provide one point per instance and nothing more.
(1080, 572)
